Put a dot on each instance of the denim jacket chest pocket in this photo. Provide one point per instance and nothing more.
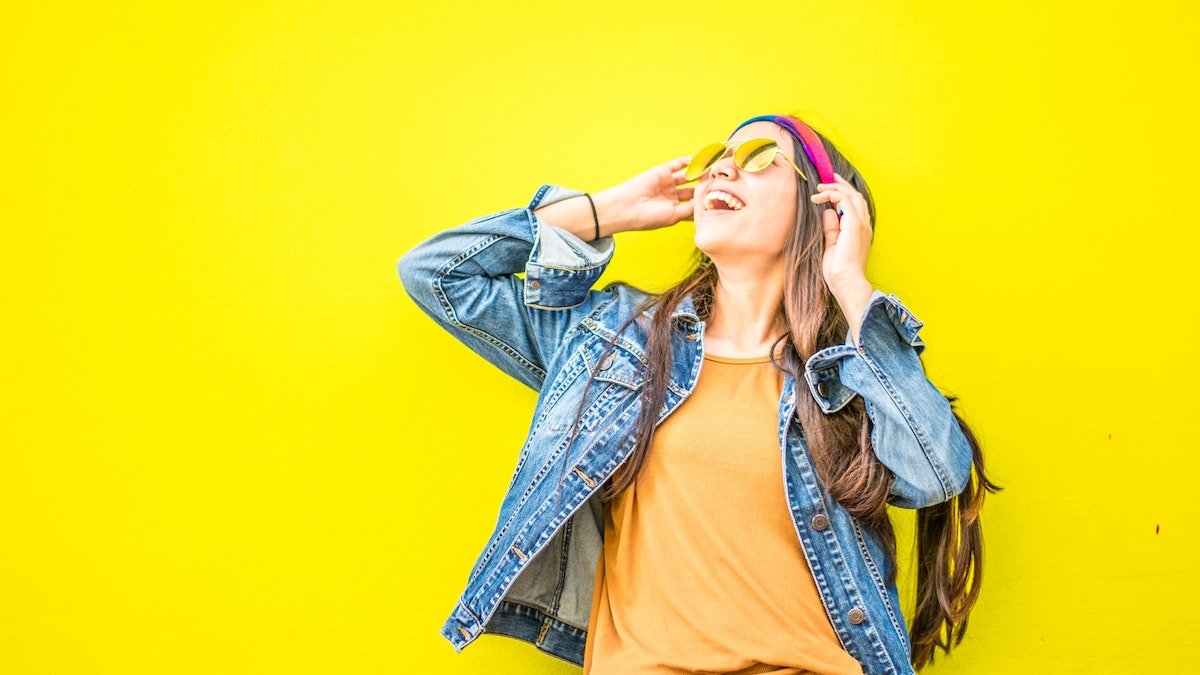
(619, 375)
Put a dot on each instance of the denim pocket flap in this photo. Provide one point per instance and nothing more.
(619, 366)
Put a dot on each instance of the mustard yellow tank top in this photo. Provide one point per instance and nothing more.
(702, 569)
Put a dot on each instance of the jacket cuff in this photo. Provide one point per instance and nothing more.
(562, 268)
(885, 321)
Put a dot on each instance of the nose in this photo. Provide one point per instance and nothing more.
(723, 167)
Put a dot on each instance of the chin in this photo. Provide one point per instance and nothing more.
(707, 240)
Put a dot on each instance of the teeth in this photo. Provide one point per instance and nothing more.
(733, 202)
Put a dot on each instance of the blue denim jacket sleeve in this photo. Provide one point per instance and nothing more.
(464, 279)
(913, 430)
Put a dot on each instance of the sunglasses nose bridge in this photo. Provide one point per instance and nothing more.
(726, 154)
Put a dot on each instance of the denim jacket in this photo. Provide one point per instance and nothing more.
(534, 578)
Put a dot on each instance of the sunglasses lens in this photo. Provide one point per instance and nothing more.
(756, 154)
(704, 159)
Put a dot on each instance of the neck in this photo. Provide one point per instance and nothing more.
(746, 317)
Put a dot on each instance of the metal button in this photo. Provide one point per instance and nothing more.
(533, 283)
(821, 389)
(856, 616)
(820, 521)
(607, 362)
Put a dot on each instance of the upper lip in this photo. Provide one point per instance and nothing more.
(722, 188)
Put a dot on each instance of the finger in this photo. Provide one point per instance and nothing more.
(684, 211)
(685, 193)
(856, 199)
(838, 200)
(832, 196)
(847, 186)
(843, 187)
(839, 182)
(847, 225)
(860, 204)
(831, 227)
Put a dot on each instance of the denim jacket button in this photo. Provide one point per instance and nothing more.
(607, 362)
(821, 389)
(820, 521)
(856, 616)
(533, 283)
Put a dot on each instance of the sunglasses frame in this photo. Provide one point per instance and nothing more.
(735, 145)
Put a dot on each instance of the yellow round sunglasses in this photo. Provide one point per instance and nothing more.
(752, 154)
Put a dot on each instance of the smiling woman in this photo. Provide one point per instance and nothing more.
(697, 453)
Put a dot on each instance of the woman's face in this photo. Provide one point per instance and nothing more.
(765, 221)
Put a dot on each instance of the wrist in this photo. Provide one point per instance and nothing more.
(850, 287)
(852, 296)
(611, 211)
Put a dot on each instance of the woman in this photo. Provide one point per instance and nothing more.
(773, 364)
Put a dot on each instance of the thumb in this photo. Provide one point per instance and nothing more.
(831, 226)
(684, 211)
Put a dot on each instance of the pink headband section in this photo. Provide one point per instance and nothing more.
(808, 140)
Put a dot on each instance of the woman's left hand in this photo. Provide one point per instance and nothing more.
(848, 239)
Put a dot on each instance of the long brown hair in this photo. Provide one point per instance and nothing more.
(949, 535)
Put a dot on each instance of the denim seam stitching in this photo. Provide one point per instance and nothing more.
(535, 482)
(468, 610)
(506, 584)
(538, 263)
(877, 577)
(448, 307)
(917, 432)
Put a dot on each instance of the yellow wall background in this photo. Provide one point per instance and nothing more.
(230, 443)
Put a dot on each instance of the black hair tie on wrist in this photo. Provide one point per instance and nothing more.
(594, 216)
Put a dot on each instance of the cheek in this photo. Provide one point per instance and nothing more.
(781, 191)
(781, 220)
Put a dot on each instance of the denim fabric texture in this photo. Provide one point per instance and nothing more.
(533, 580)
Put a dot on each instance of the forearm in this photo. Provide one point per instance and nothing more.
(464, 278)
(852, 297)
(575, 215)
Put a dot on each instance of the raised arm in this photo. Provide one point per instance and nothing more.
(913, 430)
(464, 279)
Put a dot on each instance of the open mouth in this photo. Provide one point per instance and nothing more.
(719, 201)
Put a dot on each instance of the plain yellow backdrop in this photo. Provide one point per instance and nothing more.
(230, 443)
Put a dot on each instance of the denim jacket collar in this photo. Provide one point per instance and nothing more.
(686, 309)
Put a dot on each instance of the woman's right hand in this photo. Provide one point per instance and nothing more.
(654, 199)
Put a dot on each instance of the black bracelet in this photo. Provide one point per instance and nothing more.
(594, 216)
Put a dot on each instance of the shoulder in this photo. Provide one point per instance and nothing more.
(625, 300)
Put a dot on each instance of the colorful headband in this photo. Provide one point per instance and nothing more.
(808, 140)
